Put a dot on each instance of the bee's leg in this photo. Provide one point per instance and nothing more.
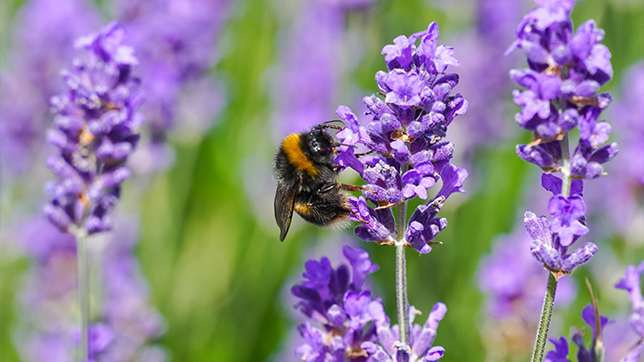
(355, 188)
(363, 154)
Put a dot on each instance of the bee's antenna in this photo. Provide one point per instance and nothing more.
(327, 125)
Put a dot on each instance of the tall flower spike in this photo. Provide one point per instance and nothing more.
(566, 70)
(95, 130)
(406, 157)
(405, 137)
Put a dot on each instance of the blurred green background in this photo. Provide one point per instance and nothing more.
(211, 253)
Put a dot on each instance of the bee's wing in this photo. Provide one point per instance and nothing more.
(284, 200)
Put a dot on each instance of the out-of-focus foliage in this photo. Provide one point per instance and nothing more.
(217, 271)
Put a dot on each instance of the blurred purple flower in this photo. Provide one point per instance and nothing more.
(310, 72)
(43, 33)
(95, 131)
(175, 42)
(514, 281)
(48, 328)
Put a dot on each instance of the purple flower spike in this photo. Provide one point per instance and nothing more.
(102, 102)
(342, 308)
(566, 71)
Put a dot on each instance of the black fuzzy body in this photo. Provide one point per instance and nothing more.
(307, 181)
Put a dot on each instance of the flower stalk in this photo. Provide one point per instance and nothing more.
(83, 291)
(401, 275)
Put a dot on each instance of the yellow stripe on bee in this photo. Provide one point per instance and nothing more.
(296, 157)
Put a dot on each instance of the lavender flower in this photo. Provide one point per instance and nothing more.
(405, 133)
(331, 298)
(95, 131)
(566, 70)
(354, 325)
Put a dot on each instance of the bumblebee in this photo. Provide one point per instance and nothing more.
(307, 180)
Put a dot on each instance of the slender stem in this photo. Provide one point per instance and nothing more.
(83, 291)
(544, 320)
(565, 169)
(551, 289)
(401, 271)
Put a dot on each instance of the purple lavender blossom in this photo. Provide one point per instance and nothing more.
(566, 71)
(562, 88)
(330, 298)
(406, 132)
(354, 325)
(560, 354)
(44, 30)
(95, 131)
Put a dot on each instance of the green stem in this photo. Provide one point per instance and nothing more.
(401, 272)
(544, 320)
(83, 291)
(565, 168)
(401, 278)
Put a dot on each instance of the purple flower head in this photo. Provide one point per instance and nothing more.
(95, 130)
(329, 298)
(547, 247)
(407, 155)
(566, 71)
(421, 337)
